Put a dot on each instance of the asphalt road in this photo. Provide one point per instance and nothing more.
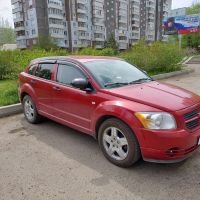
(53, 162)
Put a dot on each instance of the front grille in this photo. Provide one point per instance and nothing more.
(192, 124)
(190, 115)
(192, 119)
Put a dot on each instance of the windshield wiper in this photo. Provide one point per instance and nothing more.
(140, 80)
(115, 84)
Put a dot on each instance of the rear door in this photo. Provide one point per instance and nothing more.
(43, 85)
(73, 106)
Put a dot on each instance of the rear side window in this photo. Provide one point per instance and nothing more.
(67, 73)
(32, 69)
(44, 71)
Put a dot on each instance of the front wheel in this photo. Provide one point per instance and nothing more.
(30, 110)
(118, 143)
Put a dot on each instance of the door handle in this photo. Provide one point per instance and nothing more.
(56, 89)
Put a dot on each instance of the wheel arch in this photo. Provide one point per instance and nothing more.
(103, 118)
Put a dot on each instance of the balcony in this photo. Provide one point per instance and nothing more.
(15, 1)
(138, 1)
(99, 31)
(18, 9)
(21, 37)
(83, 37)
(82, 1)
(61, 26)
(82, 20)
(123, 46)
(19, 19)
(56, 6)
(99, 39)
(82, 11)
(151, 5)
(122, 20)
(136, 24)
(82, 28)
(55, 16)
(20, 28)
(151, 11)
(57, 35)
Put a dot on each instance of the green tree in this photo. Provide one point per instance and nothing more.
(194, 9)
(7, 33)
(45, 42)
(192, 40)
(111, 43)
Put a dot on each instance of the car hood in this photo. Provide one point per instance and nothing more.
(159, 95)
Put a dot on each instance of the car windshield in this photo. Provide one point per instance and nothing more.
(115, 73)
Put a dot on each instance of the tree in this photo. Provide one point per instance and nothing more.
(111, 43)
(194, 9)
(192, 40)
(45, 42)
(7, 33)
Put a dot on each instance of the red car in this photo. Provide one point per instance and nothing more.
(130, 114)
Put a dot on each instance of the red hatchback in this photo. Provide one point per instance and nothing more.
(130, 114)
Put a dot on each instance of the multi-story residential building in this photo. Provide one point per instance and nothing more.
(89, 23)
(34, 18)
(178, 12)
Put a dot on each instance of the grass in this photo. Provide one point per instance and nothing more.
(8, 92)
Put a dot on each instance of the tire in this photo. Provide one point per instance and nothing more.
(30, 111)
(118, 143)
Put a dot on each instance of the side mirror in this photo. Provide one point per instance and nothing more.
(80, 83)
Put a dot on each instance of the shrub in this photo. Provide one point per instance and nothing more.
(13, 62)
(154, 58)
(7, 69)
(96, 52)
(157, 57)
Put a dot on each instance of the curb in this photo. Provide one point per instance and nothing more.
(172, 74)
(10, 110)
(188, 60)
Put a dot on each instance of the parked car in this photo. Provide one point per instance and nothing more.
(131, 115)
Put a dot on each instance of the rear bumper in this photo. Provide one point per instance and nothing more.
(168, 146)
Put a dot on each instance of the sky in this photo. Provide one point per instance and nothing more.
(6, 9)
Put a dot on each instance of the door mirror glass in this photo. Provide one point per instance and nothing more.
(80, 83)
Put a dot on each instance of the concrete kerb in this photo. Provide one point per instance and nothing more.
(10, 110)
(173, 74)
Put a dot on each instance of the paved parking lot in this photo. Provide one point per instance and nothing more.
(50, 161)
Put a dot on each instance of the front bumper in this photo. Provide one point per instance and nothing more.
(168, 146)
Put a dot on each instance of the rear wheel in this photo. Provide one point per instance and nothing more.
(118, 143)
(30, 110)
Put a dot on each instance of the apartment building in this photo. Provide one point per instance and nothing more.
(34, 18)
(178, 12)
(89, 23)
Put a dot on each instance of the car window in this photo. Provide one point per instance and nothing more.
(67, 73)
(32, 69)
(44, 71)
(115, 73)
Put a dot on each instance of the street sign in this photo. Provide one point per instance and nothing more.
(181, 24)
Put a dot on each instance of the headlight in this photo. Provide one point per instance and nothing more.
(157, 120)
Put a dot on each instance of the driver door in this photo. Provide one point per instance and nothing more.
(71, 105)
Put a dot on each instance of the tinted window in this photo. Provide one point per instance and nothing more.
(67, 73)
(32, 69)
(44, 71)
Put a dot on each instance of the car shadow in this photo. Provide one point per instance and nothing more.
(144, 180)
